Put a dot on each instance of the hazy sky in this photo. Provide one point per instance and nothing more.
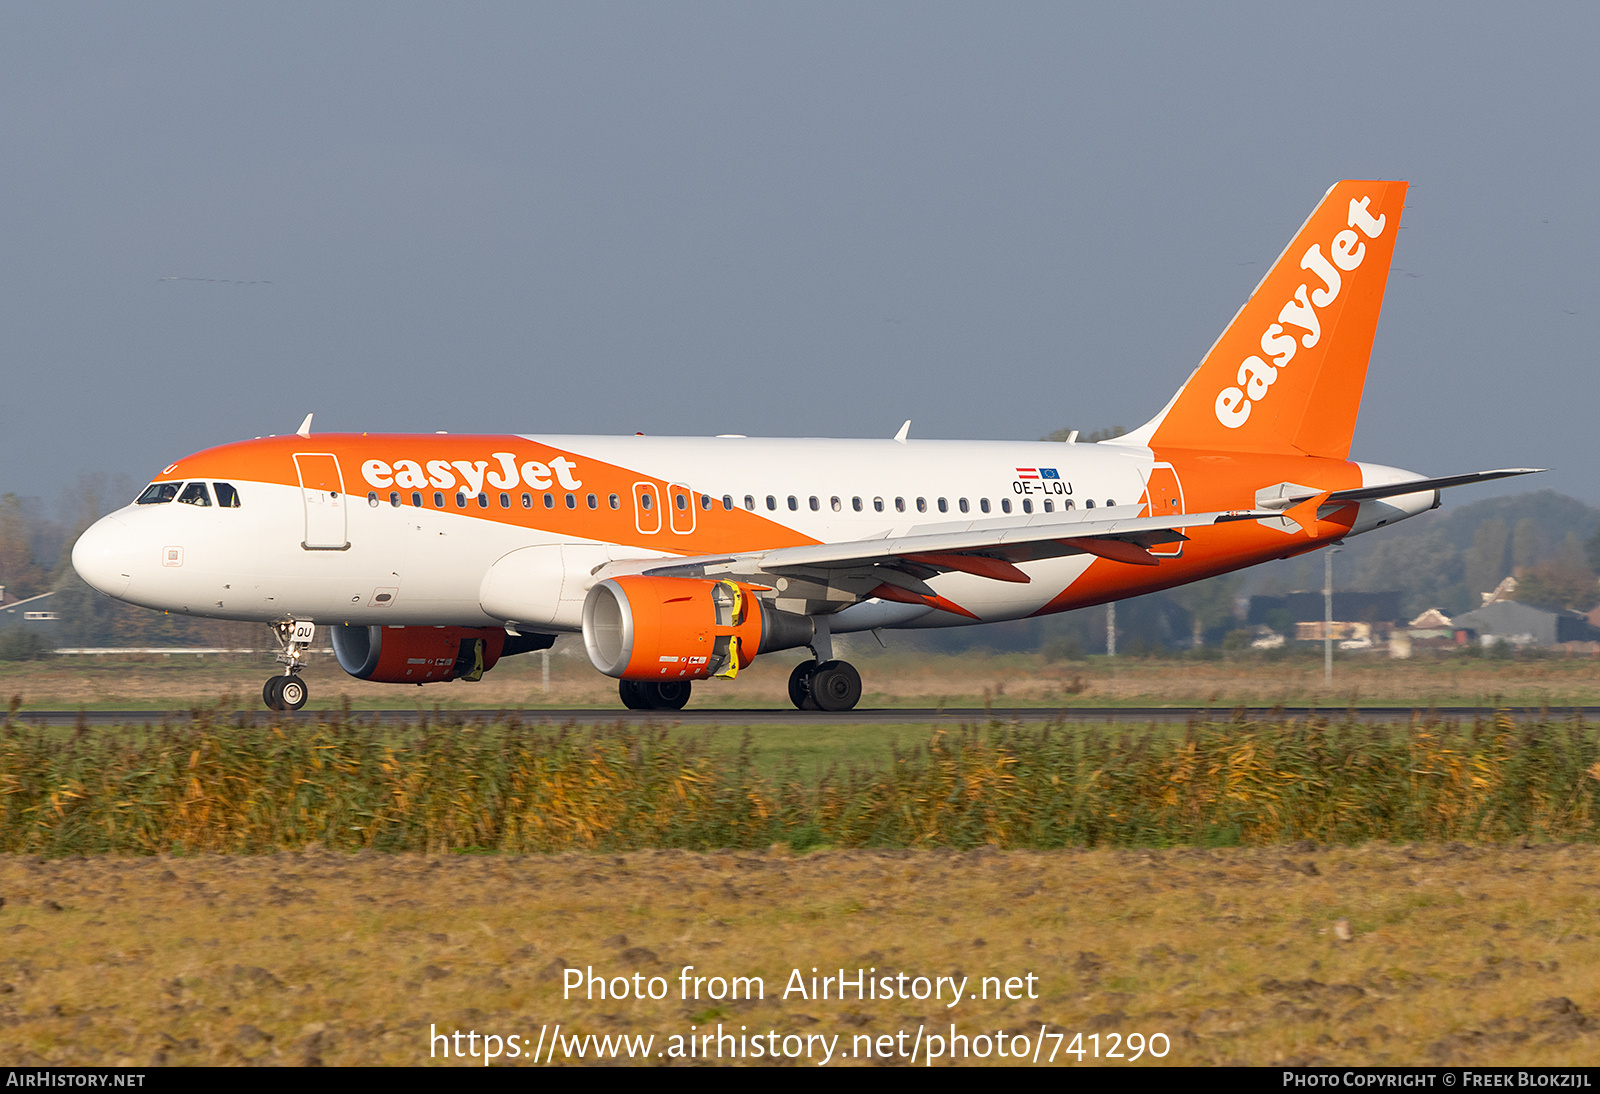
(797, 219)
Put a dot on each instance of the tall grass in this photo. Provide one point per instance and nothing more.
(204, 786)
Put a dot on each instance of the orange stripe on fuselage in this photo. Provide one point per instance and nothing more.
(1212, 482)
(716, 530)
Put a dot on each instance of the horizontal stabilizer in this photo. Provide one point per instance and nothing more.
(1397, 489)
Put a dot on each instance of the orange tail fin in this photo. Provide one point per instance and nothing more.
(1286, 376)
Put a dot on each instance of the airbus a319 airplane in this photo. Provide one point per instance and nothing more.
(432, 556)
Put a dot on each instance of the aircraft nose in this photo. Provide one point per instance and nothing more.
(103, 556)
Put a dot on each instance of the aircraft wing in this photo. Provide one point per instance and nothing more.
(892, 567)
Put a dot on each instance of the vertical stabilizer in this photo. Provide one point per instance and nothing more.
(1286, 376)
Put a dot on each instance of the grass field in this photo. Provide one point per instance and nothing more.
(1455, 954)
(204, 784)
(1286, 950)
(891, 678)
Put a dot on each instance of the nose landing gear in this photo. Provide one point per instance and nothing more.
(289, 692)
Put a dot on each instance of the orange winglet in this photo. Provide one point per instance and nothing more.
(906, 596)
(979, 565)
(1116, 550)
(1305, 513)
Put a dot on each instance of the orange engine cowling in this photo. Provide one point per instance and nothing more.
(682, 628)
(417, 655)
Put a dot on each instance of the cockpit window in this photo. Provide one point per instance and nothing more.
(195, 494)
(158, 492)
(227, 496)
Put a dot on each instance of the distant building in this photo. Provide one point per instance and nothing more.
(1357, 617)
(1523, 625)
(1506, 590)
(1432, 620)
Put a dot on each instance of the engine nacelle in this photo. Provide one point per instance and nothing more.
(682, 628)
(417, 655)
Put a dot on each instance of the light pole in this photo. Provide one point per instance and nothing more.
(1327, 617)
(1111, 628)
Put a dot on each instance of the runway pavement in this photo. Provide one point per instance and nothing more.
(860, 716)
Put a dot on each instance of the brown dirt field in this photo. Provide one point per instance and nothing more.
(1455, 954)
(892, 678)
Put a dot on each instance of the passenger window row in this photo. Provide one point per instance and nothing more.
(857, 505)
(592, 501)
(461, 500)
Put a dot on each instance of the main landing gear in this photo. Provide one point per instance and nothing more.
(825, 685)
(648, 695)
(288, 692)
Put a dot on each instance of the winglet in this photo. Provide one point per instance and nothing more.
(905, 429)
(305, 427)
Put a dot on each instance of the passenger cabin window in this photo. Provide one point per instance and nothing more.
(983, 503)
(855, 503)
(836, 504)
(815, 504)
(572, 501)
(1027, 505)
(227, 496)
(394, 498)
(505, 501)
(483, 501)
(1068, 504)
(944, 506)
(727, 502)
(794, 503)
(899, 505)
(772, 502)
(614, 501)
(527, 501)
(962, 504)
(1088, 503)
(372, 498)
(1005, 505)
(877, 505)
(1049, 506)
(438, 499)
(592, 502)
(158, 493)
(922, 505)
(195, 494)
(705, 501)
(750, 502)
(1110, 503)
(416, 498)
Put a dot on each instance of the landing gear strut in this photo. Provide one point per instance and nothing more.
(648, 695)
(288, 692)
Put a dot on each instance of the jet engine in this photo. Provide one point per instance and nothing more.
(681, 628)
(422, 655)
